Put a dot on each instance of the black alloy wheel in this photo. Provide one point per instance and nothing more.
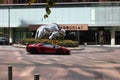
(33, 51)
(60, 51)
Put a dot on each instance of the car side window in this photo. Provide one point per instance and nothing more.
(48, 45)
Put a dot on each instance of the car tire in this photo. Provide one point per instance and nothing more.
(33, 51)
(60, 51)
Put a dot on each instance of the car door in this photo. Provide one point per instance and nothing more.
(48, 48)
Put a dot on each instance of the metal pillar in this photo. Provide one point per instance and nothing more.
(9, 27)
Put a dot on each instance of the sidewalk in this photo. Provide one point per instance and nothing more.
(96, 62)
(103, 45)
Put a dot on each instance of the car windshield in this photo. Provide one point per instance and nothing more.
(56, 46)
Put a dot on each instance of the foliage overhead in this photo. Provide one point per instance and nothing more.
(50, 3)
(1, 1)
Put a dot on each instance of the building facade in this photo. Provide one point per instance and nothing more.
(86, 21)
(57, 1)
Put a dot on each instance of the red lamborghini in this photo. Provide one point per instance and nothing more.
(46, 48)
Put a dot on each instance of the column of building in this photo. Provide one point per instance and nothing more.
(112, 36)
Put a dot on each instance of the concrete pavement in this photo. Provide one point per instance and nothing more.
(92, 63)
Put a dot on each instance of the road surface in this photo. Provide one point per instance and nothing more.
(92, 63)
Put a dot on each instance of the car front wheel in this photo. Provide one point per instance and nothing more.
(33, 51)
(60, 51)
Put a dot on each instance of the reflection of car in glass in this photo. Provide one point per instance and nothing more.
(3, 41)
(46, 48)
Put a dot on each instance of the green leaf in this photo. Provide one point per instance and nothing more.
(45, 16)
(31, 1)
(50, 3)
(48, 11)
(1, 1)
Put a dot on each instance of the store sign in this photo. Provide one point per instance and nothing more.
(74, 26)
(64, 26)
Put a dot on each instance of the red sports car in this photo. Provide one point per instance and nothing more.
(46, 48)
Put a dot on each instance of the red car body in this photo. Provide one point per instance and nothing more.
(46, 48)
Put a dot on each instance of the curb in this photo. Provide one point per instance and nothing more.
(76, 48)
(20, 46)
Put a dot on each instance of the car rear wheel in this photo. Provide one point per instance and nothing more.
(67, 53)
(59, 51)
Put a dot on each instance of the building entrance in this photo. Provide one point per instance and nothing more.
(95, 37)
(117, 37)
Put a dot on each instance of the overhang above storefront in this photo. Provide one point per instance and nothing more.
(71, 27)
(104, 25)
(33, 27)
